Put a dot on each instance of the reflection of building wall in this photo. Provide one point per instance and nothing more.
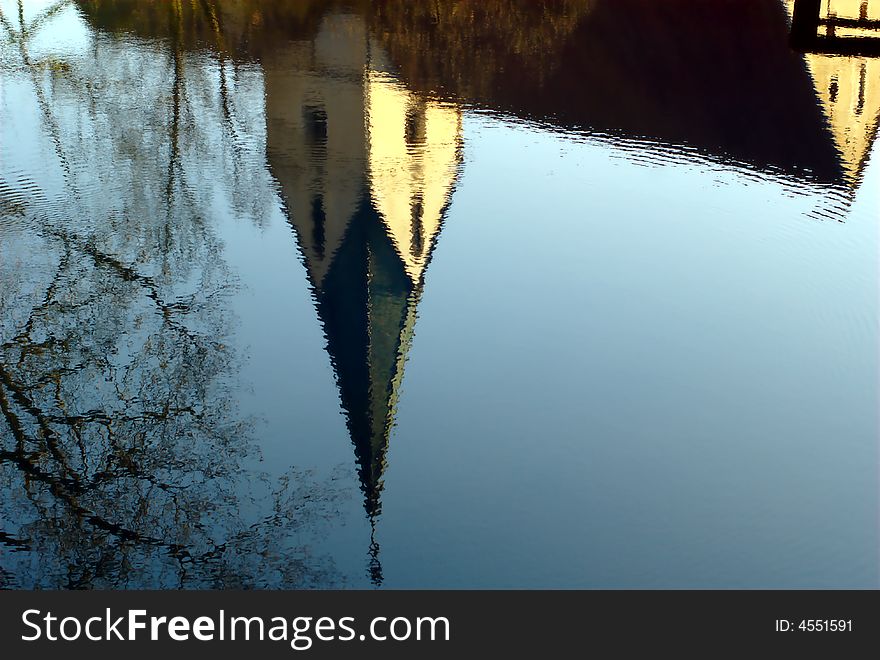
(413, 159)
(848, 88)
(340, 129)
(315, 120)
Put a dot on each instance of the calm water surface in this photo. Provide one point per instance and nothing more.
(565, 293)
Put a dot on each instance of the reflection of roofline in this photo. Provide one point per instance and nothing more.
(662, 151)
(717, 77)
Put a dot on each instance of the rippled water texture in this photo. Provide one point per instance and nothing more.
(509, 293)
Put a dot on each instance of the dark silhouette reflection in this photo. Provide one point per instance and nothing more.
(716, 75)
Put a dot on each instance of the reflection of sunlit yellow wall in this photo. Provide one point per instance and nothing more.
(848, 87)
(864, 9)
(410, 150)
(413, 160)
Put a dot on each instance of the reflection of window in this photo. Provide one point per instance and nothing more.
(319, 223)
(417, 243)
(415, 126)
(315, 120)
(833, 88)
(861, 104)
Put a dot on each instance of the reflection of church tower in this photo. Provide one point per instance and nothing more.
(848, 88)
(366, 169)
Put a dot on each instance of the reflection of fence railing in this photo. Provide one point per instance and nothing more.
(807, 19)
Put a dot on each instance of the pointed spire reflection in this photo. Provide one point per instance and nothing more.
(366, 169)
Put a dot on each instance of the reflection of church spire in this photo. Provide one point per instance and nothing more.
(366, 169)
(366, 303)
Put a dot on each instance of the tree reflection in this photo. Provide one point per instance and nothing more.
(123, 454)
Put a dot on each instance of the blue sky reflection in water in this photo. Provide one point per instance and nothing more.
(306, 295)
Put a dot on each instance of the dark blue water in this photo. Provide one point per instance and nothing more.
(543, 294)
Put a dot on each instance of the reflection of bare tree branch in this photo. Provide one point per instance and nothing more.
(128, 274)
(40, 19)
(210, 9)
(122, 450)
(7, 26)
(176, 94)
(47, 433)
(21, 39)
(23, 336)
(66, 490)
(12, 421)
